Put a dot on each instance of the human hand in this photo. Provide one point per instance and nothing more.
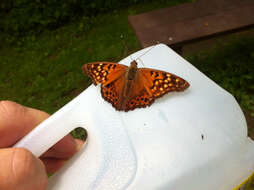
(19, 168)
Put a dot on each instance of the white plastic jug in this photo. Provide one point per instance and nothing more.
(191, 140)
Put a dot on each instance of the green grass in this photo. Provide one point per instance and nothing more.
(46, 72)
(231, 65)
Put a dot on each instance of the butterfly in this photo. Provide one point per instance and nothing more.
(127, 88)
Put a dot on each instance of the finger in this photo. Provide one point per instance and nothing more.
(65, 148)
(53, 164)
(16, 121)
(21, 170)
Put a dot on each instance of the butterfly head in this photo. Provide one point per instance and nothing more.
(134, 64)
(132, 70)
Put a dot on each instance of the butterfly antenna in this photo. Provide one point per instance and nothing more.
(146, 52)
(131, 58)
(138, 58)
(141, 61)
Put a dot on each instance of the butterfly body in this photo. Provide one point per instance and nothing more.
(131, 76)
(132, 70)
(127, 88)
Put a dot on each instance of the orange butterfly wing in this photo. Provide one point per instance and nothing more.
(112, 78)
(159, 82)
(104, 72)
(151, 84)
(112, 92)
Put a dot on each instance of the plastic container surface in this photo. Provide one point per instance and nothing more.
(191, 140)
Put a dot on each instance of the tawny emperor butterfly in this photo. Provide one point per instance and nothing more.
(127, 88)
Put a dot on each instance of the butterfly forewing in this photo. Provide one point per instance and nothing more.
(158, 82)
(104, 72)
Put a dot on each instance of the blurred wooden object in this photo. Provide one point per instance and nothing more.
(179, 25)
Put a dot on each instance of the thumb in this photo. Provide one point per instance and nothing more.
(21, 170)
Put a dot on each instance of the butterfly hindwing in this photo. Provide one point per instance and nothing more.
(140, 100)
(138, 96)
(112, 92)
